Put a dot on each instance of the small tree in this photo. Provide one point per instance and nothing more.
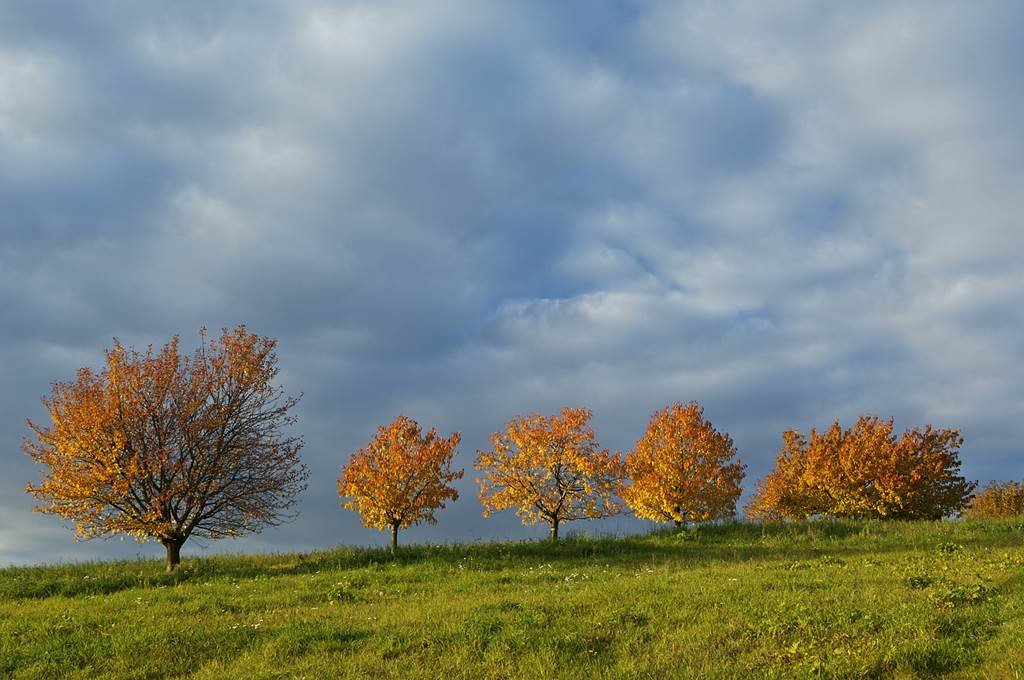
(680, 469)
(164, 447)
(401, 477)
(997, 499)
(866, 471)
(550, 469)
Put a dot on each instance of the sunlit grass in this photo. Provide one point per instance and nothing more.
(833, 599)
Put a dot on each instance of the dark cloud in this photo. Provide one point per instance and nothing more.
(464, 211)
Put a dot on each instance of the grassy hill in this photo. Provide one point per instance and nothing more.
(833, 599)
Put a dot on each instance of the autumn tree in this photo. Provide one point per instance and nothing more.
(550, 469)
(784, 493)
(682, 469)
(865, 471)
(163, 446)
(401, 477)
(997, 499)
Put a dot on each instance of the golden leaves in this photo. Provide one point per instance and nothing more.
(680, 469)
(161, 445)
(997, 499)
(865, 471)
(401, 477)
(550, 468)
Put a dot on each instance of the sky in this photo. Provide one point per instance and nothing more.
(792, 212)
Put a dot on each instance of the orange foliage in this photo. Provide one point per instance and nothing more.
(165, 446)
(401, 477)
(784, 493)
(550, 469)
(865, 471)
(997, 499)
(680, 469)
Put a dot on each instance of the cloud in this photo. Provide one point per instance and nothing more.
(466, 211)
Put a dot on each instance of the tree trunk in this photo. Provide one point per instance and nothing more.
(553, 531)
(394, 537)
(679, 523)
(173, 554)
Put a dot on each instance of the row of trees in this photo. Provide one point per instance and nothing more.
(164, 446)
(549, 469)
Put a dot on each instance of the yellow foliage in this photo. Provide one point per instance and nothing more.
(865, 471)
(401, 477)
(551, 469)
(680, 469)
(163, 446)
(997, 499)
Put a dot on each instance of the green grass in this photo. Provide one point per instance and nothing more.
(817, 599)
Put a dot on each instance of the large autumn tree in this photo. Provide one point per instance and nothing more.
(865, 471)
(550, 469)
(164, 446)
(683, 469)
(401, 477)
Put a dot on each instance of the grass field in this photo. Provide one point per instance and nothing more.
(818, 599)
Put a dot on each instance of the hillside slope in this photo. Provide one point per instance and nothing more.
(841, 599)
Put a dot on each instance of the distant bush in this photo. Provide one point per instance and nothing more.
(997, 499)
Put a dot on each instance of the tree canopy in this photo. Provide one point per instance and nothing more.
(682, 469)
(550, 469)
(401, 477)
(162, 446)
(865, 471)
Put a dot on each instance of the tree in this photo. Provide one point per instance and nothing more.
(783, 493)
(680, 469)
(550, 469)
(865, 471)
(163, 446)
(997, 499)
(401, 477)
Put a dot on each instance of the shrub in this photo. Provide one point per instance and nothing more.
(997, 499)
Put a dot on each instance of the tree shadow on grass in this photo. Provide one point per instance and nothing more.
(701, 545)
